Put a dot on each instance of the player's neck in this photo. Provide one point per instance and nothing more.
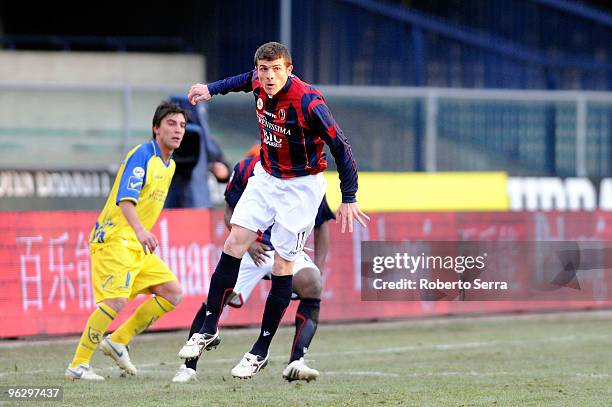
(164, 152)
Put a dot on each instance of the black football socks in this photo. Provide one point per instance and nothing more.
(306, 321)
(276, 304)
(198, 320)
(222, 284)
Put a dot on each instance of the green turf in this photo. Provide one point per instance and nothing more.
(508, 360)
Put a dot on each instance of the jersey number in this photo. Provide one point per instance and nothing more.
(301, 241)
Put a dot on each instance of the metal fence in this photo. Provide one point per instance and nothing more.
(566, 133)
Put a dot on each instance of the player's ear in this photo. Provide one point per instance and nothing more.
(289, 69)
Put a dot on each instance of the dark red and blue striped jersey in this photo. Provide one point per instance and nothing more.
(238, 182)
(295, 124)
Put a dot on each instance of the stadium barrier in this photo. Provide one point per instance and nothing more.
(473, 191)
(45, 281)
(436, 191)
(50, 190)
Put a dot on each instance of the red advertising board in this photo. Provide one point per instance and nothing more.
(45, 284)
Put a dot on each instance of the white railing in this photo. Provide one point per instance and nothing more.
(29, 111)
(433, 95)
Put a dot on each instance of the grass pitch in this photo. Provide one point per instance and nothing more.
(508, 360)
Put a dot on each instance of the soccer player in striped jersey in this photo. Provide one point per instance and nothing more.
(284, 192)
(123, 264)
(257, 264)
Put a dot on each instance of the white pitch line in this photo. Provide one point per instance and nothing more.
(361, 373)
(462, 373)
(441, 347)
(464, 345)
(593, 375)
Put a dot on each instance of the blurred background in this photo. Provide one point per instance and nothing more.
(420, 86)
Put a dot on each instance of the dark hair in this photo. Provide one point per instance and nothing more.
(271, 51)
(164, 109)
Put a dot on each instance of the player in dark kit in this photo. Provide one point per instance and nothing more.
(257, 264)
(284, 192)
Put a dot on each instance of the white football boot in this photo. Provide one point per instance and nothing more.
(119, 353)
(249, 366)
(184, 375)
(82, 372)
(298, 370)
(197, 343)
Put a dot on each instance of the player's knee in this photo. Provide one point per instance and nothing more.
(312, 291)
(171, 292)
(234, 247)
(116, 304)
(282, 268)
(174, 294)
(307, 283)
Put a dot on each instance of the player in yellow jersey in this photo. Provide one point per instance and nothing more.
(121, 244)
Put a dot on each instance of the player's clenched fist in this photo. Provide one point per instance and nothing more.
(198, 92)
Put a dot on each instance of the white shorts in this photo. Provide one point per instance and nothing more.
(291, 205)
(249, 275)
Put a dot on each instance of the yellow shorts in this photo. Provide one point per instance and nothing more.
(120, 272)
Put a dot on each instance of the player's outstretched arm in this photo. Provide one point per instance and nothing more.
(198, 92)
(238, 83)
(347, 212)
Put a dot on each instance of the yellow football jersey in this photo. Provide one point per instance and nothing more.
(143, 178)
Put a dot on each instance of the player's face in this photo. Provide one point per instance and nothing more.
(170, 132)
(273, 74)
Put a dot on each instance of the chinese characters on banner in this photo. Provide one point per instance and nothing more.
(45, 283)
